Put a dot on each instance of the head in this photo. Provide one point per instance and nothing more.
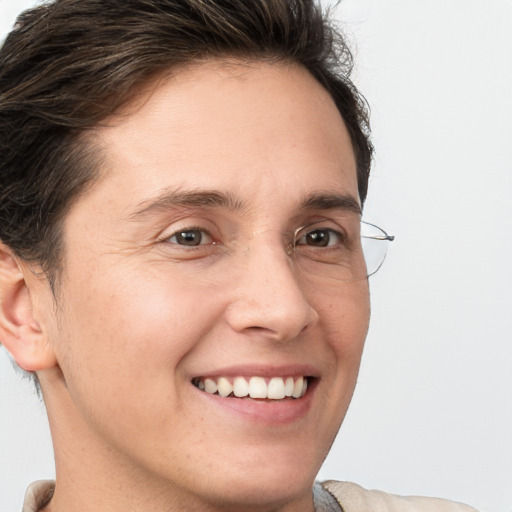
(157, 157)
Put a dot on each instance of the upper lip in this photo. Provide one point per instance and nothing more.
(288, 370)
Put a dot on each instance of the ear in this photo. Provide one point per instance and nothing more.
(20, 332)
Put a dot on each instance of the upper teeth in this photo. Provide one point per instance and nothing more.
(275, 388)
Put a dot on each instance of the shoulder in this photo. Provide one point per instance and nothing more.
(38, 495)
(353, 498)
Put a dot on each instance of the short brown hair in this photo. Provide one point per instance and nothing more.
(69, 64)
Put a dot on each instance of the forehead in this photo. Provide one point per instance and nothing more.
(237, 126)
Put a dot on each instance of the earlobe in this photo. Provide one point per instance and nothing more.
(20, 332)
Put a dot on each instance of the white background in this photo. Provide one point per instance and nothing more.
(432, 414)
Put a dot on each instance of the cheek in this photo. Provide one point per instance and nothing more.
(346, 317)
(343, 319)
(133, 329)
(345, 310)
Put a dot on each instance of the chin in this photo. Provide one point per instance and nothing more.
(269, 480)
(268, 492)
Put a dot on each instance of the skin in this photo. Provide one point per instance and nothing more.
(138, 315)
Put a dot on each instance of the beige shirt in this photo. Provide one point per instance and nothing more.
(354, 498)
(351, 497)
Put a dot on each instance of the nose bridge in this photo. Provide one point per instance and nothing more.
(269, 297)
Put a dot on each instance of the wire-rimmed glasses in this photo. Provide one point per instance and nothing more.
(345, 251)
(375, 243)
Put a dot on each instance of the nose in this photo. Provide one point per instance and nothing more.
(268, 299)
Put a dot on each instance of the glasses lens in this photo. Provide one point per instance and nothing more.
(375, 242)
(338, 251)
(330, 250)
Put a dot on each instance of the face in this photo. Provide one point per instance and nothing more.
(181, 278)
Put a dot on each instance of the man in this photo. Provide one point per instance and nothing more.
(181, 262)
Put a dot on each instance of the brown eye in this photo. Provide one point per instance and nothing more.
(320, 238)
(189, 237)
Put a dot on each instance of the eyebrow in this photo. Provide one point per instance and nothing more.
(170, 199)
(195, 198)
(329, 201)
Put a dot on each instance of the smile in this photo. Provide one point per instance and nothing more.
(256, 387)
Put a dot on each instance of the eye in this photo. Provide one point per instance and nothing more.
(320, 237)
(191, 237)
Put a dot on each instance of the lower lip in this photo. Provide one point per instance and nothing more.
(270, 412)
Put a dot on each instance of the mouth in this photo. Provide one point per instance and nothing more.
(255, 387)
